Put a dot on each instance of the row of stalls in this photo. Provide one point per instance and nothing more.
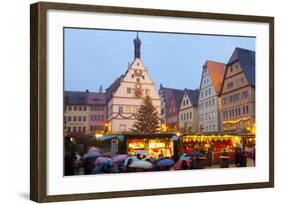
(168, 145)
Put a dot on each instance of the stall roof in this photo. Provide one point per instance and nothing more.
(108, 137)
(136, 135)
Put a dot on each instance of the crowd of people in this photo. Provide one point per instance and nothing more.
(93, 162)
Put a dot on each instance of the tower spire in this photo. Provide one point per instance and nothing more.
(137, 44)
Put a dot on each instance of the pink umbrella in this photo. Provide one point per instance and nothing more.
(101, 160)
(119, 158)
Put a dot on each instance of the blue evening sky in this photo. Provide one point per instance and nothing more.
(98, 57)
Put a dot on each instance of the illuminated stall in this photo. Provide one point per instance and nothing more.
(218, 143)
(155, 147)
(150, 145)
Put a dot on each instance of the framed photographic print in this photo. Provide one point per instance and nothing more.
(136, 102)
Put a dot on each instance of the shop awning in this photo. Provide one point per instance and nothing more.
(108, 137)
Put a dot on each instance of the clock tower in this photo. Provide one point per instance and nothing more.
(126, 94)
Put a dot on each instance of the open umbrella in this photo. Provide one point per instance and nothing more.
(92, 154)
(141, 164)
(103, 165)
(119, 158)
(134, 158)
(101, 160)
(93, 149)
(165, 162)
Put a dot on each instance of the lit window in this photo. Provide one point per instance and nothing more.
(127, 109)
(122, 128)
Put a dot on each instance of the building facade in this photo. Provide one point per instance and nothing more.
(126, 94)
(188, 114)
(84, 113)
(238, 92)
(209, 105)
(170, 107)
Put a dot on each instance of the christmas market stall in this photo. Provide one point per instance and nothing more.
(150, 145)
(218, 143)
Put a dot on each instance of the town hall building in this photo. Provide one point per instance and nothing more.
(126, 94)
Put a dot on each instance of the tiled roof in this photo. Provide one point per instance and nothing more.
(75, 98)
(84, 98)
(193, 96)
(171, 93)
(113, 87)
(96, 98)
(247, 62)
(216, 71)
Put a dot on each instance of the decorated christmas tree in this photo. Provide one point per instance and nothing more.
(147, 119)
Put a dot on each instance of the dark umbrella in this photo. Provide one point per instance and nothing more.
(165, 162)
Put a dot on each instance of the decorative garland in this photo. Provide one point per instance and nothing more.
(119, 114)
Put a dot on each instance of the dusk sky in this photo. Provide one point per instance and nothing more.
(98, 57)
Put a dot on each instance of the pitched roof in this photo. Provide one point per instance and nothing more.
(247, 61)
(96, 98)
(113, 87)
(84, 98)
(216, 71)
(75, 98)
(193, 96)
(175, 94)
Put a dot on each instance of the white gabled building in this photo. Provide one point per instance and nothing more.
(188, 114)
(209, 104)
(126, 94)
